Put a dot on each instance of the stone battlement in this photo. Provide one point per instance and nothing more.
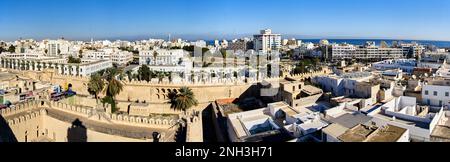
(119, 119)
(18, 108)
(24, 118)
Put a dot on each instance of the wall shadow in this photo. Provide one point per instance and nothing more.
(77, 132)
(6, 134)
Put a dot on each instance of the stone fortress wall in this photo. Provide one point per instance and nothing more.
(30, 121)
(41, 124)
(154, 92)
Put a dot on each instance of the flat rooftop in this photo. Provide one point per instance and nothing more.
(335, 130)
(365, 133)
(388, 133)
(234, 105)
(385, 117)
(289, 111)
(356, 134)
(351, 120)
(442, 131)
(311, 90)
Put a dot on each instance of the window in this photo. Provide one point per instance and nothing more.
(440, 102)
(426, 92)
(435, 93)
(446, 94)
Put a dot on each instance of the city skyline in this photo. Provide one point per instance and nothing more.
(193, 19)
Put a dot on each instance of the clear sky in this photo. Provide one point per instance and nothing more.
(194, 19)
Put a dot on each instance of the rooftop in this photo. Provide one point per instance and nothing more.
(357, 134)
(388, 133)
(311, 90)
(335, 130)
(442, 130)
(351, 120)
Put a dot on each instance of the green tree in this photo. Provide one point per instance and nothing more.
(96, 85)
(129, 75)
(144, 73)
(12, 49)
(113, 86)
(184, 100)
(160, 76)
(73, 60)
(80, 53)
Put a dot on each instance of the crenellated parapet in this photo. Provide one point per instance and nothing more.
(149, 121)
(194, 128)
(71, 77)
(115, 118)
(26, 117)
(75, 109)
(212, 82)
(19, 108)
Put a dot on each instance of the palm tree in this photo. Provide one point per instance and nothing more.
(184, 100)
(113, 86)
(95, 86)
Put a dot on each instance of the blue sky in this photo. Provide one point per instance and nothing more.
(209, 19)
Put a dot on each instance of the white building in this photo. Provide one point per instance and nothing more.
(266, 41)
(270, 120)
(166, 60)
(342, 85)
(405, 113)
(57, 47)
(365, 133)
(121, 57)
(436, 92)
(444, 70)
(60, 66)
(347, 51)
(116, 56)
(406, 65)
(199, 43)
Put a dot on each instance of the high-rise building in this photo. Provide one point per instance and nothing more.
(266, 41)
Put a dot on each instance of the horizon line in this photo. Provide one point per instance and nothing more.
(230, 37)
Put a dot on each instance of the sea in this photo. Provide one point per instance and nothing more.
(439, 44)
